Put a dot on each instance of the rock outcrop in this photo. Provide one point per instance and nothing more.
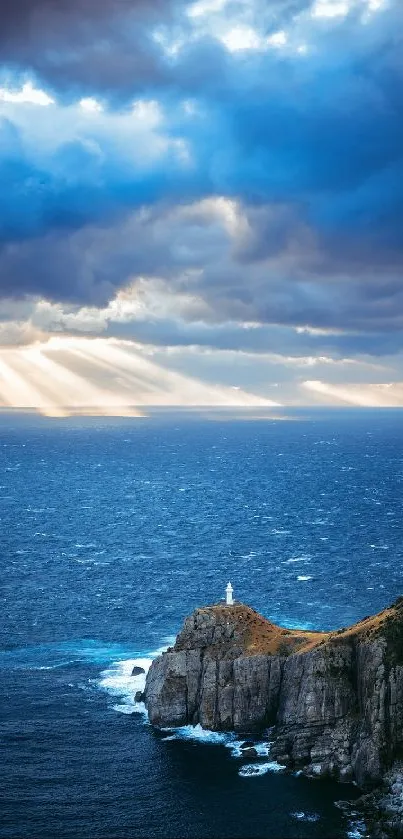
(333, 701)
(382, 809)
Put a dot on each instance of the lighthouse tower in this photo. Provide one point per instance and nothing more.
(228, 593)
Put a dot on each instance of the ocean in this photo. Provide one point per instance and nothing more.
(112, 531)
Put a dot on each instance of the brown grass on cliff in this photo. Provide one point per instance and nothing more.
(387, 624)
(259, 635)
(262, 636)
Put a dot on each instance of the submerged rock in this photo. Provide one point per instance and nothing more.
(334, 700)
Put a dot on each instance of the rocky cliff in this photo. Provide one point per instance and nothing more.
(333, 701)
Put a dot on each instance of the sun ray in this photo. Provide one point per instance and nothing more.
(17, 391)
(166, 383)
(103, 376)
(384, 395)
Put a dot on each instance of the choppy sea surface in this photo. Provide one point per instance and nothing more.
(112, 531)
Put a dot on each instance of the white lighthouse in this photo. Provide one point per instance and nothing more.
(228, 593)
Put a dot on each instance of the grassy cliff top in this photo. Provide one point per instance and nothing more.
(240, 624)
(387, 625)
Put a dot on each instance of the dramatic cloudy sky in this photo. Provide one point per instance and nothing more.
(201, 202)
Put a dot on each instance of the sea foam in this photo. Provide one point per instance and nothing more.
(251, 770)
(305, 817)
(356, 829)
(302, 558)
(200, 735)
(231, 741)
(118, 681)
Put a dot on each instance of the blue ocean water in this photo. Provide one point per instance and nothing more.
(112, 531)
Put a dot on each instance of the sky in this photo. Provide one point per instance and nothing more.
(201, 203)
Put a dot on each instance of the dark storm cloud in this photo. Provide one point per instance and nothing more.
(84, 44)
(210, 296)
(108, 46)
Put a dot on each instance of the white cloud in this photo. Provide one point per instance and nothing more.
(206, 7)
(190, 107)
(242, 38)
(315, 330)
(171, 44)
(278, 39)
(28, 94)
(90, 104)
(319, 360)
(226, 212)
(371, 8)
(148, 112)
(139, 135)
(375, 5)
(330, 8)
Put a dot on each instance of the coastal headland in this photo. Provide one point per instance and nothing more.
(332, 701)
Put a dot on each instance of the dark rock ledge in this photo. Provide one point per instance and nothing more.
(334, 701)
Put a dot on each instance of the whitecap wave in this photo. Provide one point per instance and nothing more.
(303, 558)
(231, 741)
(356, 829)
(85, 545)
(251, 770)
(119, 682)
(262, 749)
(201, 735)
(240, 749)
(305, 817)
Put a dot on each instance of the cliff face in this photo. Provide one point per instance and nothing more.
(334, 700)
